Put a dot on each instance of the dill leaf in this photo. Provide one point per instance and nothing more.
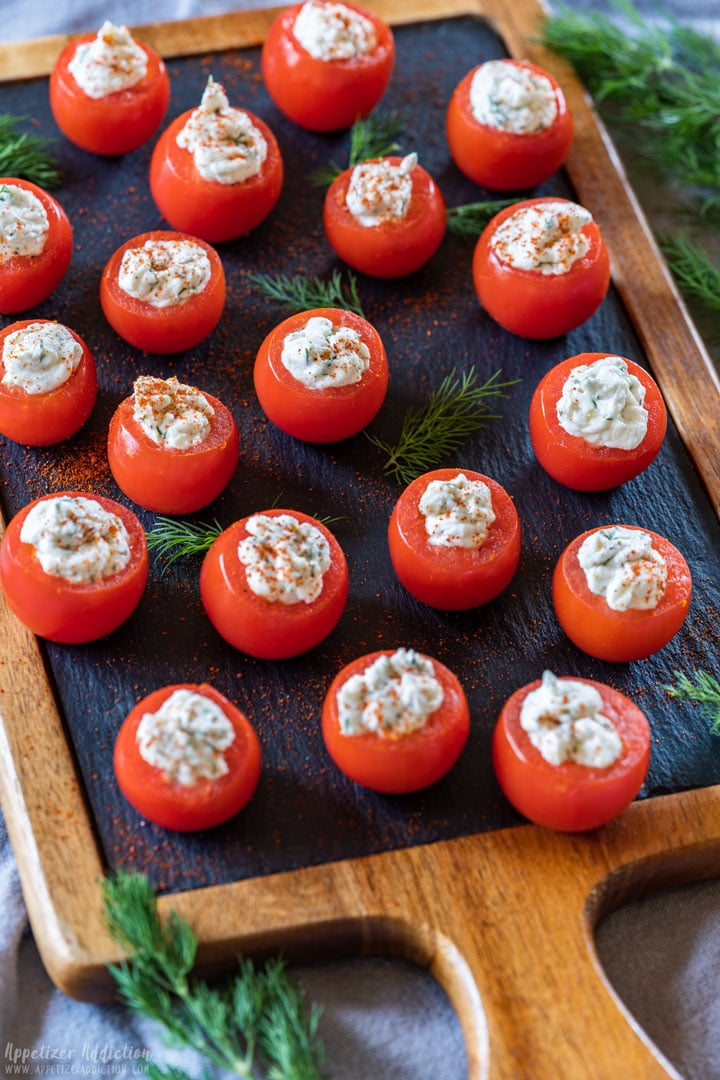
(26, 155)
(691, 266)
(471, 218)
(171, 539)
(373, 137)
(300, 293)
(703, 689)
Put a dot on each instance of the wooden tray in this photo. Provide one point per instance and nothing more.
(503, 919)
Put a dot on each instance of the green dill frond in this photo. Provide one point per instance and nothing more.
(471, 218)
(171, 539)
(703, 689)
(374, 137)
(26, 155)
(300, 293)
(697, 276)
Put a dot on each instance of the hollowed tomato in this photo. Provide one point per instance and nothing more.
(26, 280)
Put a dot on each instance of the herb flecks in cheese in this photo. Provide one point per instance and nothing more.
(563, 721)
(512, 98)
(227, 147)
(76, 539)
(186, 738)
(331, 31)
(602, 403)
(380, 190)
(321, 355)
(457, 512)
(285, 559)
(112, 61)
(623, 567)
(171, 413)
(546, 237)
(24, 223)
(40, 357)
(395, 695)
(164, 272)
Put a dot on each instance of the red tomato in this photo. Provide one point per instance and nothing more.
(325, 95)
(453, 578)
(65, 611)
(503, 160)
(571, 797)
(255, 625)
(399, 763)
(114, 124)
(207, 208)
(536, 305)
(50, 417)
(572, 460)
(26, 280)
(167, 479)
(619, 636)
(162, 329)
(184, 807)
(396, 246)
(320, 415)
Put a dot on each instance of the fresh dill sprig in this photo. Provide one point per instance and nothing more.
(300, 293)
(691, 266)
(374, 137)
(261, 1015)
(471, 218)
(171, 539)
(455, 410)
(26, 155)
(703, 689)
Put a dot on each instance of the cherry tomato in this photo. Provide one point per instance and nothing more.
(533, 304)
(325, 95)
(399, 763)
(118, 122)
(168, 479)
(320, 415)
(572, 460)
(66, 611)
(619, 636)
(187, 807)
(170, 329)
(448, 577)
(255, 625)
(571, 797)
(504, 160)
(395, 246)
(51, 416)
(26, 280)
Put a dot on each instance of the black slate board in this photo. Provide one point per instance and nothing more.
(305, 812)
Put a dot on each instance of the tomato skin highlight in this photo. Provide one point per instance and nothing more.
(27, 280)
(176, 806)
(114, 124)
(205, 208)
(453, 578)
(250, 623)
(169, 329)
(570, 797)
(320, 416)
(45, 419)
(166, 479)
(571, 460)
(405, 763)
(325, 95)
(64, 611)
(392, 248)
(535, 305)
(503, 160)
(619, 636)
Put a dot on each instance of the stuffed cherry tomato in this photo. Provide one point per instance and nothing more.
(73, 566)
(385, 218)
(36, 242)
(395, 722)
(454, 539)
(171, 447)
(541, 267)
(163, 291)
(274, 584)
(327, 64)
(508, 125)
(108, 92)
(596, 421)
(216, 172)
(321, 375)
(48, 382)
(187, 758)
(620, 592)
(570, 754)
